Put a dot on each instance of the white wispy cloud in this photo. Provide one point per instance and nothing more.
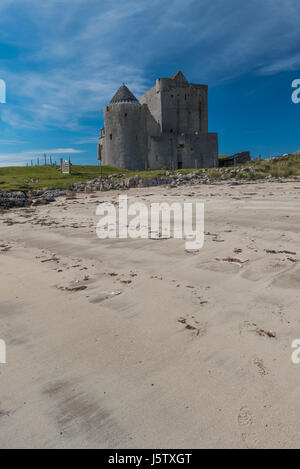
(85, 140)
(11, 142)
(283, 64)
(61, 151)
(94, 46)
(71, 56)
(21, 158)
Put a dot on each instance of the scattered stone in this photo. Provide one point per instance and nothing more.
(182, 320)
(170, 179)
(21, 199)
(52, 259)
(189, 327)
(13, 199)
(75, 289)
(272, 251)
(233, 260)
(5, 248)
(264, 333)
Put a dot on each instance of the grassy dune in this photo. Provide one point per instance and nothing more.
(281, 167)
(259, 168)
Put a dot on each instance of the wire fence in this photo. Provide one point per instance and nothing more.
(65, 166)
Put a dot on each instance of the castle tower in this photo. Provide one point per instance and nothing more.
(167, 128)
(124, 143)
(181, 110)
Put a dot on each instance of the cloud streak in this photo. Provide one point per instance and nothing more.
(63, 68)
(74, 68)
(21, 158)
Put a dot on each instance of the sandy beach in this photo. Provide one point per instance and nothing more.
(140, 344)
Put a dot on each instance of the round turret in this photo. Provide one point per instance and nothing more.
(124, 95)
(125, 143)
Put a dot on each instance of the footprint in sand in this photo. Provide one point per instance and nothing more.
(245, 417)
(259, 363)
(245, 421)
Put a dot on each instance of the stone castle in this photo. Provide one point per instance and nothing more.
(167, 128)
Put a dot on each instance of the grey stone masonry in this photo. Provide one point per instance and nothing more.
(166, 128)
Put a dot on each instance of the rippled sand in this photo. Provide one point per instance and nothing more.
(139, 344)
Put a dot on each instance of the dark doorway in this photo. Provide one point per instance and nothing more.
(180, 150)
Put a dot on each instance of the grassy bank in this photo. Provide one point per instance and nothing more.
(26, 179)
(259, 168)
(279, 167)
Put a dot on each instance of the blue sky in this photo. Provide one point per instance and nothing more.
(63, 60)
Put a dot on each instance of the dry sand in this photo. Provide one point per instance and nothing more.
(163, 348)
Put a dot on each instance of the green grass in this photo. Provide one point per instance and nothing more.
(153, 173)
(259, 169)
(46, 177)
(26, 179)
(283, 167)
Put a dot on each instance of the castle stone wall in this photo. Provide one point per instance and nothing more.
(153, 100)
(125, 142)
(198, 151)
(184, 107)
(168, 128)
